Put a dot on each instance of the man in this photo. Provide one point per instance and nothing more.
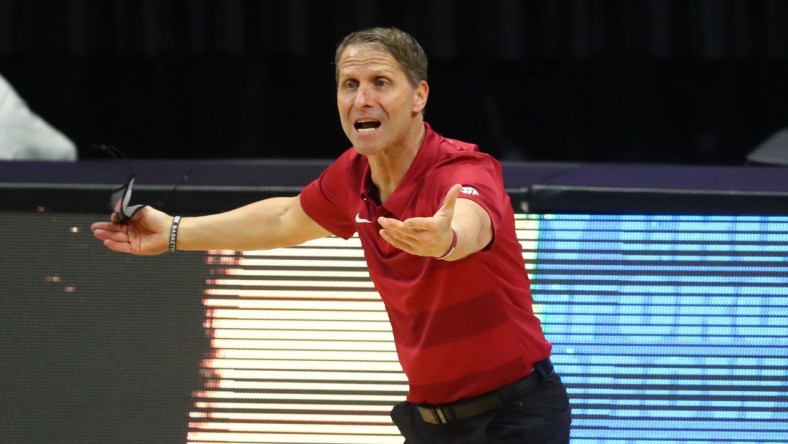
(437, 230)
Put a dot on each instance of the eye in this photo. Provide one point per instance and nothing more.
(349, 85)
(381, 82)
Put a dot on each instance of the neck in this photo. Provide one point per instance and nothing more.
(390, 166)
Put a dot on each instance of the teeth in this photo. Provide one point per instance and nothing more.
(366, 125)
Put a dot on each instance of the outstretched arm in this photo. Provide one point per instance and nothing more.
(432, 236)
(269, 223)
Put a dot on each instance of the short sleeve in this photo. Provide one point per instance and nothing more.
(326, 199)
(482, 182)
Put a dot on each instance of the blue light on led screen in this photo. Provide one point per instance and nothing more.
(667, 329)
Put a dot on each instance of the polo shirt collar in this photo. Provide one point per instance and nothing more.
(411, 182)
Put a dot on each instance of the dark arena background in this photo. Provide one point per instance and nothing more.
(668, 81)
(644, 150)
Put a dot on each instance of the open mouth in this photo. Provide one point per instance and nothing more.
(366, 126)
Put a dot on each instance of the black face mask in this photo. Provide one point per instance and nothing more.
(120, 202)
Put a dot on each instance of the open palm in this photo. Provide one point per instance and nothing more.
(145, 234)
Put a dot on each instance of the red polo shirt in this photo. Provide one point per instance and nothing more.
(461, 328)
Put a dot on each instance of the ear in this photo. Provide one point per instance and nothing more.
(420, 95)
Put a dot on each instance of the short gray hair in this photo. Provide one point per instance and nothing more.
(402, 46)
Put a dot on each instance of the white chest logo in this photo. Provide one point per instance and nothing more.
(361, 220)
(469, 190)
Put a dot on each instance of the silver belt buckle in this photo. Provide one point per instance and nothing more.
(432, 415)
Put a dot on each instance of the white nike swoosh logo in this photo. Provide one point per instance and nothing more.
(361, 220)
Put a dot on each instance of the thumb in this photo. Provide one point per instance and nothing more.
(447, 209)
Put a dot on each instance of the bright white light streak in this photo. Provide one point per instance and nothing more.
(247, 344)
(301, 427)
(310, 397)
(331, 254)
(298, 325)
(299, 355)
(282, 265)
(311, 315)
(292, 294)
(373, 366)
(526, 224)
(225, 384)
(290, 283)
(308, 335)
(284, 272)
(528, 236)
(331, 241)
(299, 418)
(278, 304)
(222, 438)
(314, 374)
(384, 408)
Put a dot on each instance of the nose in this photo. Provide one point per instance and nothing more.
(364, 96)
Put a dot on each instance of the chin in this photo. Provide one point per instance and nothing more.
(364, 149)
(365, 146)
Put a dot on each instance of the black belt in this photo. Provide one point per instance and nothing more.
(479, 405)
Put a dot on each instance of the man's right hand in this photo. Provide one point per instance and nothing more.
(147, 233)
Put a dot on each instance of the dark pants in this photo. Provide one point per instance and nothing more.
(540, 415)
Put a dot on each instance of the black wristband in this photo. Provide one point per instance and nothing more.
(174, 233)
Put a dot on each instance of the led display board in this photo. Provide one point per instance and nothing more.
(666, 329)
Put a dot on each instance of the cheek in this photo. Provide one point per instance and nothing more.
(343, 112)
(342, 101)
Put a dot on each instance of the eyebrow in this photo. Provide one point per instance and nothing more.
(378, 72)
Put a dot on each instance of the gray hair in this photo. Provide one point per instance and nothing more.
(402, 46)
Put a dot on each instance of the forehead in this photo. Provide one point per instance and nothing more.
(367, 57)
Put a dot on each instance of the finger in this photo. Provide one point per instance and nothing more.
(396, 228)
(115, 236)
(101, 233)
(389, 223)
(100, 225)
(451, 199)
(412, 227)
(402, 245)
(139, 214)
(121, 247)
(106, 226)
(402, 234)
(421, 224)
